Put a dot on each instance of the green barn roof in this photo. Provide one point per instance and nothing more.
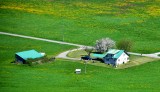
(93, 55)
(117, 54)
(29, 54)
(112, 51)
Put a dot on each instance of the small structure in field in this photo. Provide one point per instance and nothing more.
(78, 71)
(113, 56)
(30, 54)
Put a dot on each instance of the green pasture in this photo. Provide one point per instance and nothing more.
(59, 76)
(10, 45)
(85, 21)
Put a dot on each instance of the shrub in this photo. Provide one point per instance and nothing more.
(43, 59)
(124, 45)
(29, 61)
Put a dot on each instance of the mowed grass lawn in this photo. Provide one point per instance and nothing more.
(59, 76)
(84, 22)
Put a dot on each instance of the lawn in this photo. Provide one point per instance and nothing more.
(59, 75)
(77, 21)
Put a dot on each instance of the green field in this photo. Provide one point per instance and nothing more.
(86, 21)
(82, 22)
(59, 75)
(10, 45)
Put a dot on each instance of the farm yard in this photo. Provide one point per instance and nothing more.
(81, 22)
(134, 60)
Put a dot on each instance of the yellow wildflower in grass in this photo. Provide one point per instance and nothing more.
(93, 8)
(157, 0)
(121, 4)
(30, 10)
(153, 10)
(140, 21)
(125, 24)
(136, 1)
(61, 10)
(81, 4)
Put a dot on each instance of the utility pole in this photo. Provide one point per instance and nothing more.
(85, 62)
(62, 31)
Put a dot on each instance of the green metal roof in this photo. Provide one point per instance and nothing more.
(29, 54)
(113, 51)
(117, 54)
(97, 55)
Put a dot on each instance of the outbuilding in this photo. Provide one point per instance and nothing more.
(29, 54)
(78, 71)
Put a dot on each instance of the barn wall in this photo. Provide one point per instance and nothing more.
(109, 60)
(122, 59)
(19, 59)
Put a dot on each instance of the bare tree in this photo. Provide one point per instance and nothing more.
(104, 44)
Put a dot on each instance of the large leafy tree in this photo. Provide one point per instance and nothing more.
(124, 44)
(104, 44)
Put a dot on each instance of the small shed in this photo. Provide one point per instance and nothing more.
(24, 55)
(78, 71)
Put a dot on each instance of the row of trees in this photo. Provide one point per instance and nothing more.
(104, 44)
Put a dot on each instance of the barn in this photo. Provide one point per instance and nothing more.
(112, 56)
(29, 54)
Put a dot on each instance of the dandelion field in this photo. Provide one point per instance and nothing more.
(76, 21)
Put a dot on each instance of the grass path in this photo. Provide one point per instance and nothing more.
(64, 54)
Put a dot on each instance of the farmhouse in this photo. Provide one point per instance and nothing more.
(30, 54)
(113, 56)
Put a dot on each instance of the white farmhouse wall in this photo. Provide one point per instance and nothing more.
(124, 58)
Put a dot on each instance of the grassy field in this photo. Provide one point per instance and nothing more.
(134, 60)
(10, 45)
(81, 20)
(59, 75)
